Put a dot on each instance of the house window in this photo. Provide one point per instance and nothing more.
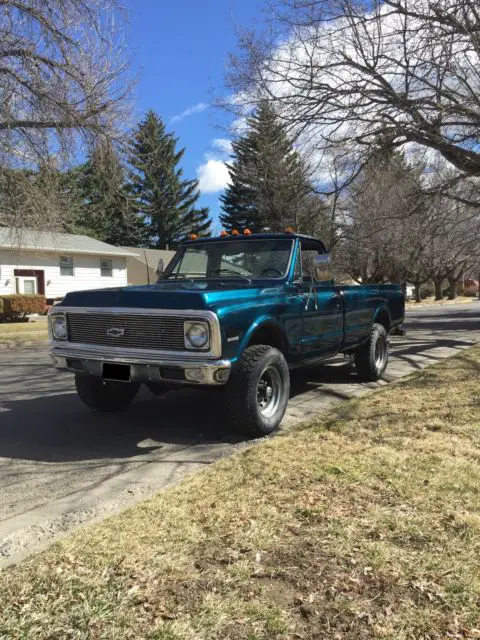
(106, 270)
(66, 266)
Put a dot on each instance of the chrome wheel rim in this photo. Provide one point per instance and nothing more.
(269, 391)
(380, 353)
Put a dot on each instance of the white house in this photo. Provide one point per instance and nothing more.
(52, 264)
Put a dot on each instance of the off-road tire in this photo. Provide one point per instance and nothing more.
(241, 392)
(105, 395)
(371, 358)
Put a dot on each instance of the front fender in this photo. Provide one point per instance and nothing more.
(234, 349)
(265, 320)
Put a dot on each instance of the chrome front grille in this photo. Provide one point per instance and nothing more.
(126, 330)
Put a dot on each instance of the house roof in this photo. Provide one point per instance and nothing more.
(35, 240)
(151, 256)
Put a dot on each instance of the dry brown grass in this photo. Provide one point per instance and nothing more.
(365, 524)
(411, 304)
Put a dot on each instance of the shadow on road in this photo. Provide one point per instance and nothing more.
(59, 428)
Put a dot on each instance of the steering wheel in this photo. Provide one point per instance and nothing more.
(264, 272)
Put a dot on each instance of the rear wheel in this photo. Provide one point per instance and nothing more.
(371, 358)
(258, 391)
(105, 395)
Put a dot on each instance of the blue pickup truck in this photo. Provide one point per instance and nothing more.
(235, 312)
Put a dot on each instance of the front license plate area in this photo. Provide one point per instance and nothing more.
(119, 372)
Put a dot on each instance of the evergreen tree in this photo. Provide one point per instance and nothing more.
(165, 198)
(269, 184)
(39, 198)
(108, 210)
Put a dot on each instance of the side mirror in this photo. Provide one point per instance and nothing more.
(322, 268)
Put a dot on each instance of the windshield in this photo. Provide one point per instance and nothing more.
(244, 259)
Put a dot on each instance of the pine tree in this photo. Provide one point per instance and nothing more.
(108, 210)
(165, 198)
(38, 198)
(269, 185)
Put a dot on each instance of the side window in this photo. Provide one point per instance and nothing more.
(308, 263)
(66, 266)
(106, 269)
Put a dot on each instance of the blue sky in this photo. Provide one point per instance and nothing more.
(180, 50)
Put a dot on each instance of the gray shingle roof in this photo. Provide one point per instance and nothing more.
(32, 239)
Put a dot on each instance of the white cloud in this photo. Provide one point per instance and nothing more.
(223, 145)
(213, 176)
(196, 108)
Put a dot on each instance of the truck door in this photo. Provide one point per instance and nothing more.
(323, 314)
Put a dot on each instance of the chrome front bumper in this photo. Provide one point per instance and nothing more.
(143, 366)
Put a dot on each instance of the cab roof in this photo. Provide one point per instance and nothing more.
(255, 236)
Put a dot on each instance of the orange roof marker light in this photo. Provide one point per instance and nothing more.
(223, 234)
(193, 236)
(235, 232)
(289, 230)
(247, 232)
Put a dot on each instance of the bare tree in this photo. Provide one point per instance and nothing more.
(397, 231)
(347, 74)
(381, 238)
(62, 78)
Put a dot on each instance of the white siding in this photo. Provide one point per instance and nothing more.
(87, 271)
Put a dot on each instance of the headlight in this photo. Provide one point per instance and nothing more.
(59, 327)
(196, 335)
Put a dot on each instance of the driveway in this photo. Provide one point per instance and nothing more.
(62, 466)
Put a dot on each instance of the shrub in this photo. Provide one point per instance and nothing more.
(18, 306)
(471, 291)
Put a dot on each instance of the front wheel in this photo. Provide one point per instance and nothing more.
(258, 390)
(371, 358)
(105, 395)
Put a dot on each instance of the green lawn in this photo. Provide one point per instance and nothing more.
(364, 524)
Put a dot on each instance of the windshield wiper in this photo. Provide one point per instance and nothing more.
(178, 276)
(234, 274)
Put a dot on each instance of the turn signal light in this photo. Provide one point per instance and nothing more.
(193, 236)
(247, 232)
(235, 232)
(289, 230)
(223, 234)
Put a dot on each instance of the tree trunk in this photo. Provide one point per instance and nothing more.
(437, 282)
(417, 292)
(452, 288)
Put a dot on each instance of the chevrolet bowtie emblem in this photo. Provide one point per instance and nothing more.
(115, 332)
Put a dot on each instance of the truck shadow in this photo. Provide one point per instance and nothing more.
(59, 428)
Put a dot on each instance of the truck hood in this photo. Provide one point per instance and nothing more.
(208, 296)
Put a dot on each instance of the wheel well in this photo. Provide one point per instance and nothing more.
(271, 335)
(384, 319)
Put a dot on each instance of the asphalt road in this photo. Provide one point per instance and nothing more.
(62, 466)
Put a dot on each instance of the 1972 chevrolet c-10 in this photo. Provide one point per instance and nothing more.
(234, 312)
